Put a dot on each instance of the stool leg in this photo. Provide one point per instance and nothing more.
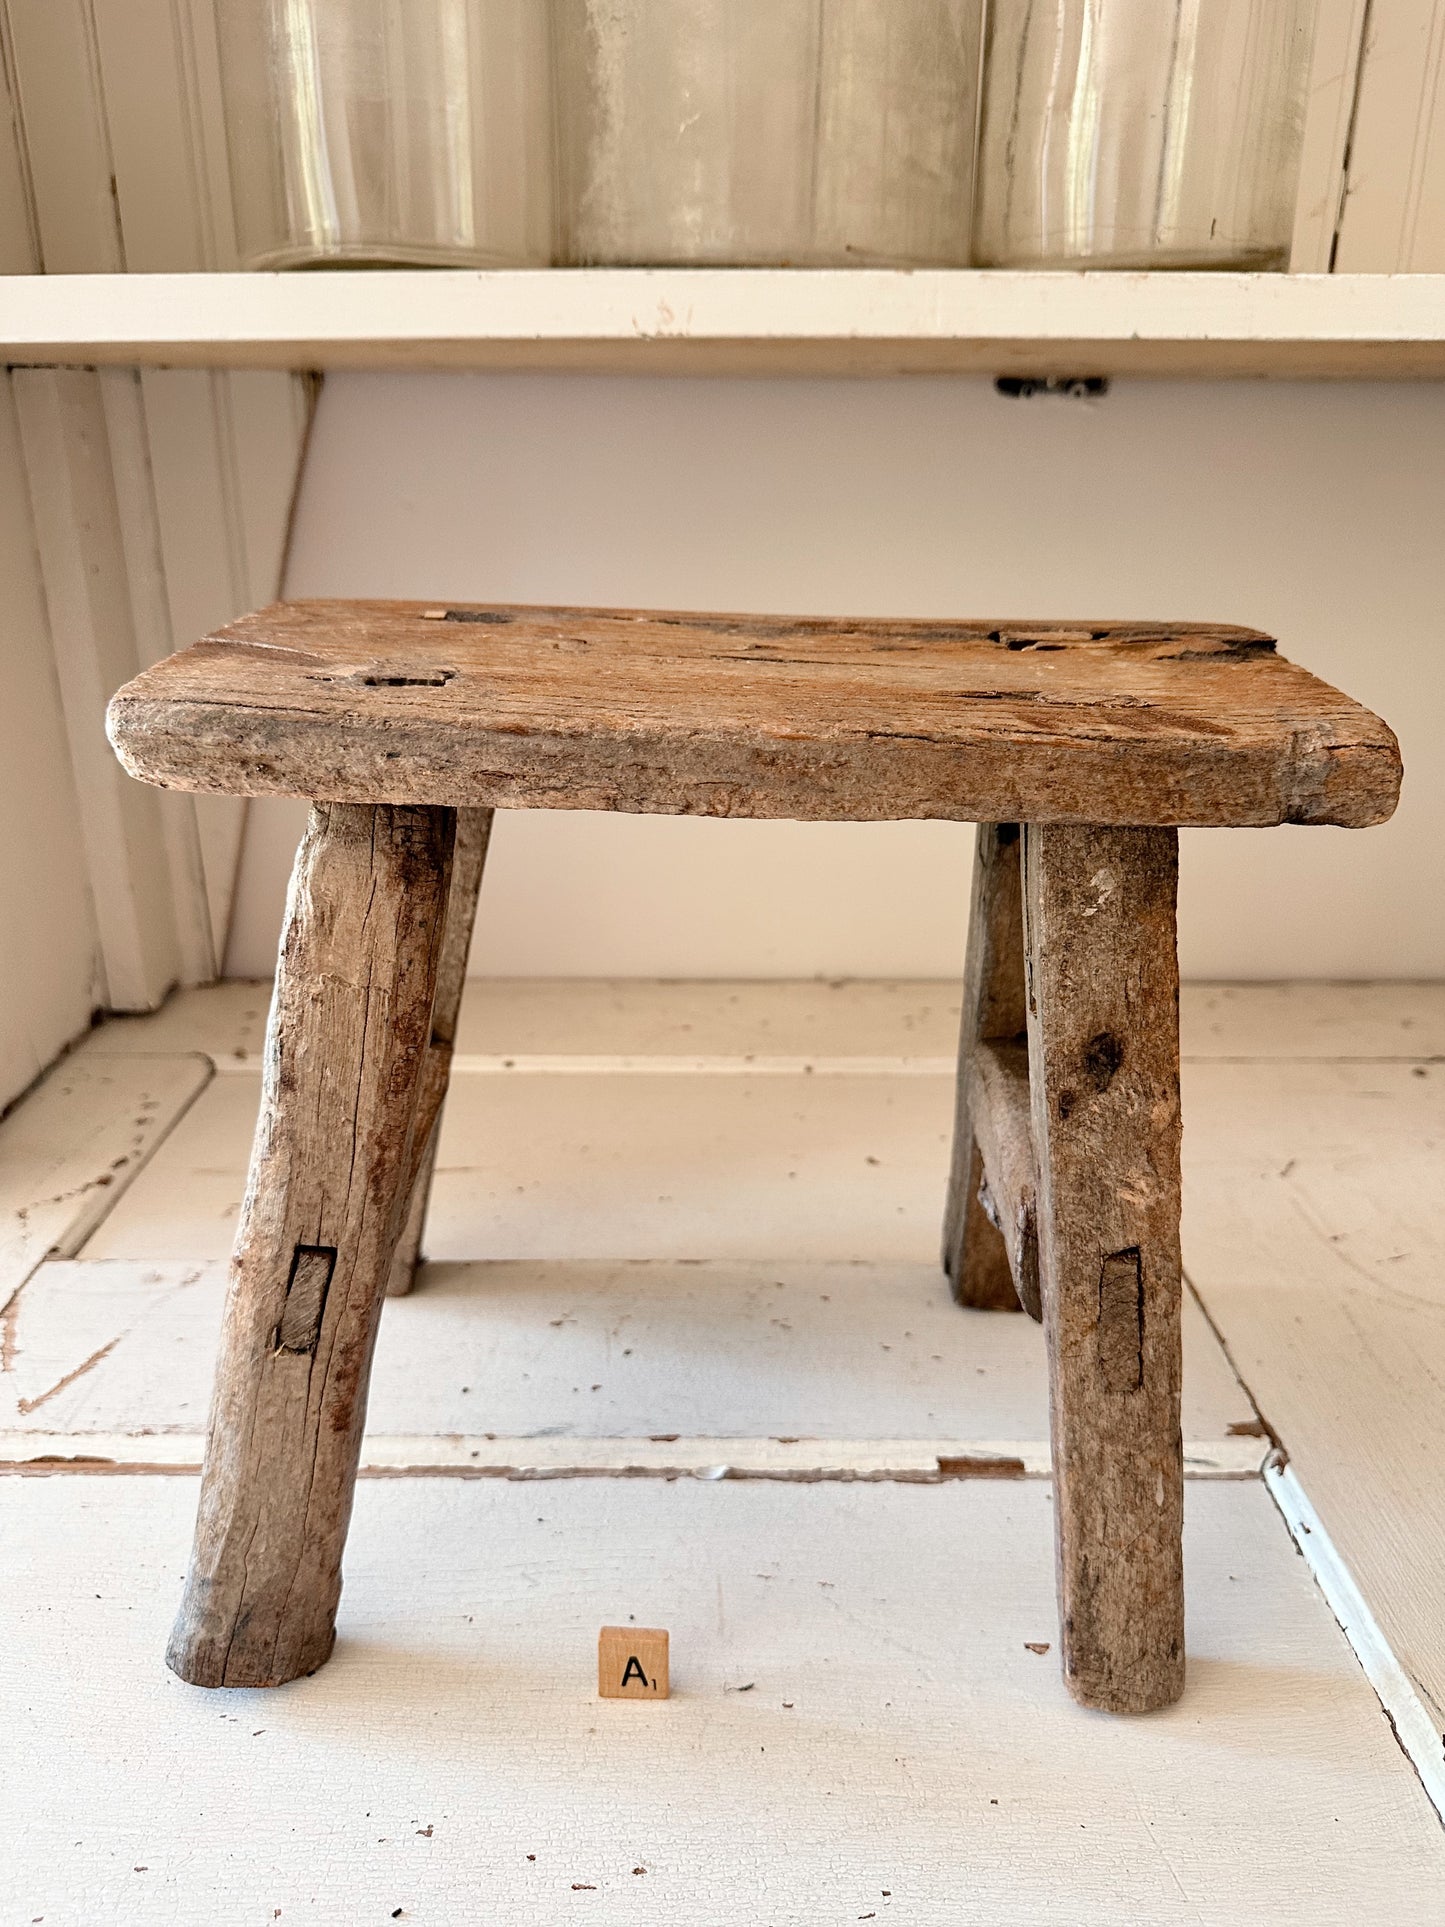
(474, 830)
(993, 1008)
(334, 1152)
(1103, 1022)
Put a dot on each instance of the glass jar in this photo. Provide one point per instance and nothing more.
(389, 132)
(767, 133)
(1141, 133)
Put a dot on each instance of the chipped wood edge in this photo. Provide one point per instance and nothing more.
(217, 746)
(1410, 1719)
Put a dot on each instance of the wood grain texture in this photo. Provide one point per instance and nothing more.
(1103, 1012)
(323, 1209)
(974, 1254)
(1003, 1131)
(758, 716)
(474, 830)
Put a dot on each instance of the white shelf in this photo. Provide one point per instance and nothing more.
(709, 321)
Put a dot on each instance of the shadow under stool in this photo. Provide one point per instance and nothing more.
(1079, 749)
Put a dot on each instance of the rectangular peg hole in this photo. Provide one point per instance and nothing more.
(1121, 1321)
(306, 1288)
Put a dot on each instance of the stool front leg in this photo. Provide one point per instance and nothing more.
(474, 832)
(346, 1050)
(1103, 1024)
(974, 1254)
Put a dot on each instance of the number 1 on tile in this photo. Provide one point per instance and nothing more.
(632, 1663)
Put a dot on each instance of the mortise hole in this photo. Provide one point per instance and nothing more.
(306, 1289)
(1121, 1320)
(382, 679)
(386, 675)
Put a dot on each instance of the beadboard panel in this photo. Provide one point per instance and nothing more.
(112, 157)
(49, 955)
(1393, 217)
(1329, 118)
(19, 243)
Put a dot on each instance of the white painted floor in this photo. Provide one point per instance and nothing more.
(685, 1355)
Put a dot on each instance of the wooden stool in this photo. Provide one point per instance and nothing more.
(408, 725)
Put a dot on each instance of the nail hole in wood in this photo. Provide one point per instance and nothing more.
(306, 1289)
(1121, 1321)
(1103, 1054)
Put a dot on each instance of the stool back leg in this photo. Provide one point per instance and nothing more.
(1103, 1026)
(474, 830)
(974, 1255)
(346, 1052)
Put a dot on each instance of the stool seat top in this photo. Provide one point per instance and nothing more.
(759, 716)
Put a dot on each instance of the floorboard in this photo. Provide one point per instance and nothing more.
(1315, 1235)
(70, 1150)
(859, 1728)
(572, 1351)
(687, 1234)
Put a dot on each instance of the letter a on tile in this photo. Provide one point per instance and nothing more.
(632, 1663)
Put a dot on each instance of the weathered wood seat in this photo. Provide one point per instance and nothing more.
(1078, 748)
(366, 702)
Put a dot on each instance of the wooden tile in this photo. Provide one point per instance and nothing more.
(632, 1663)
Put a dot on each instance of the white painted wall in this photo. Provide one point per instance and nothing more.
(1317, 511)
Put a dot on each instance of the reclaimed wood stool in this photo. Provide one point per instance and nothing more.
(1079, 749)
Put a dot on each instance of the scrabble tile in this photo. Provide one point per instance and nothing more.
(632, 1663)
